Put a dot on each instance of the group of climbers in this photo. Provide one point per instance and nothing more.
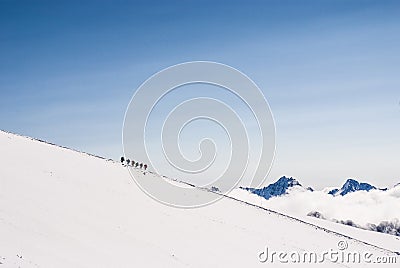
(132, 163)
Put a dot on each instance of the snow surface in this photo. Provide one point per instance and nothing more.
(62, 208)
(298, 203)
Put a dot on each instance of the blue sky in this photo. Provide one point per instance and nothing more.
(329, 69)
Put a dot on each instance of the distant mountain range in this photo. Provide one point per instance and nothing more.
(280, 187)
(352, 185)
(287, 184)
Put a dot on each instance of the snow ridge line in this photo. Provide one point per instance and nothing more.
(56, 145)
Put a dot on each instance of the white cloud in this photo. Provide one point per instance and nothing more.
(360, 207)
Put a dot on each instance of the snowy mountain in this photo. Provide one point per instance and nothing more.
(283, 186)
(62, 208)
(350, 186)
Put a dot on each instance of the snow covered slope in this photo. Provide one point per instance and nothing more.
(62, 208)
(299, 204)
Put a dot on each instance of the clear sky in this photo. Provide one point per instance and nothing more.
(330, 70)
